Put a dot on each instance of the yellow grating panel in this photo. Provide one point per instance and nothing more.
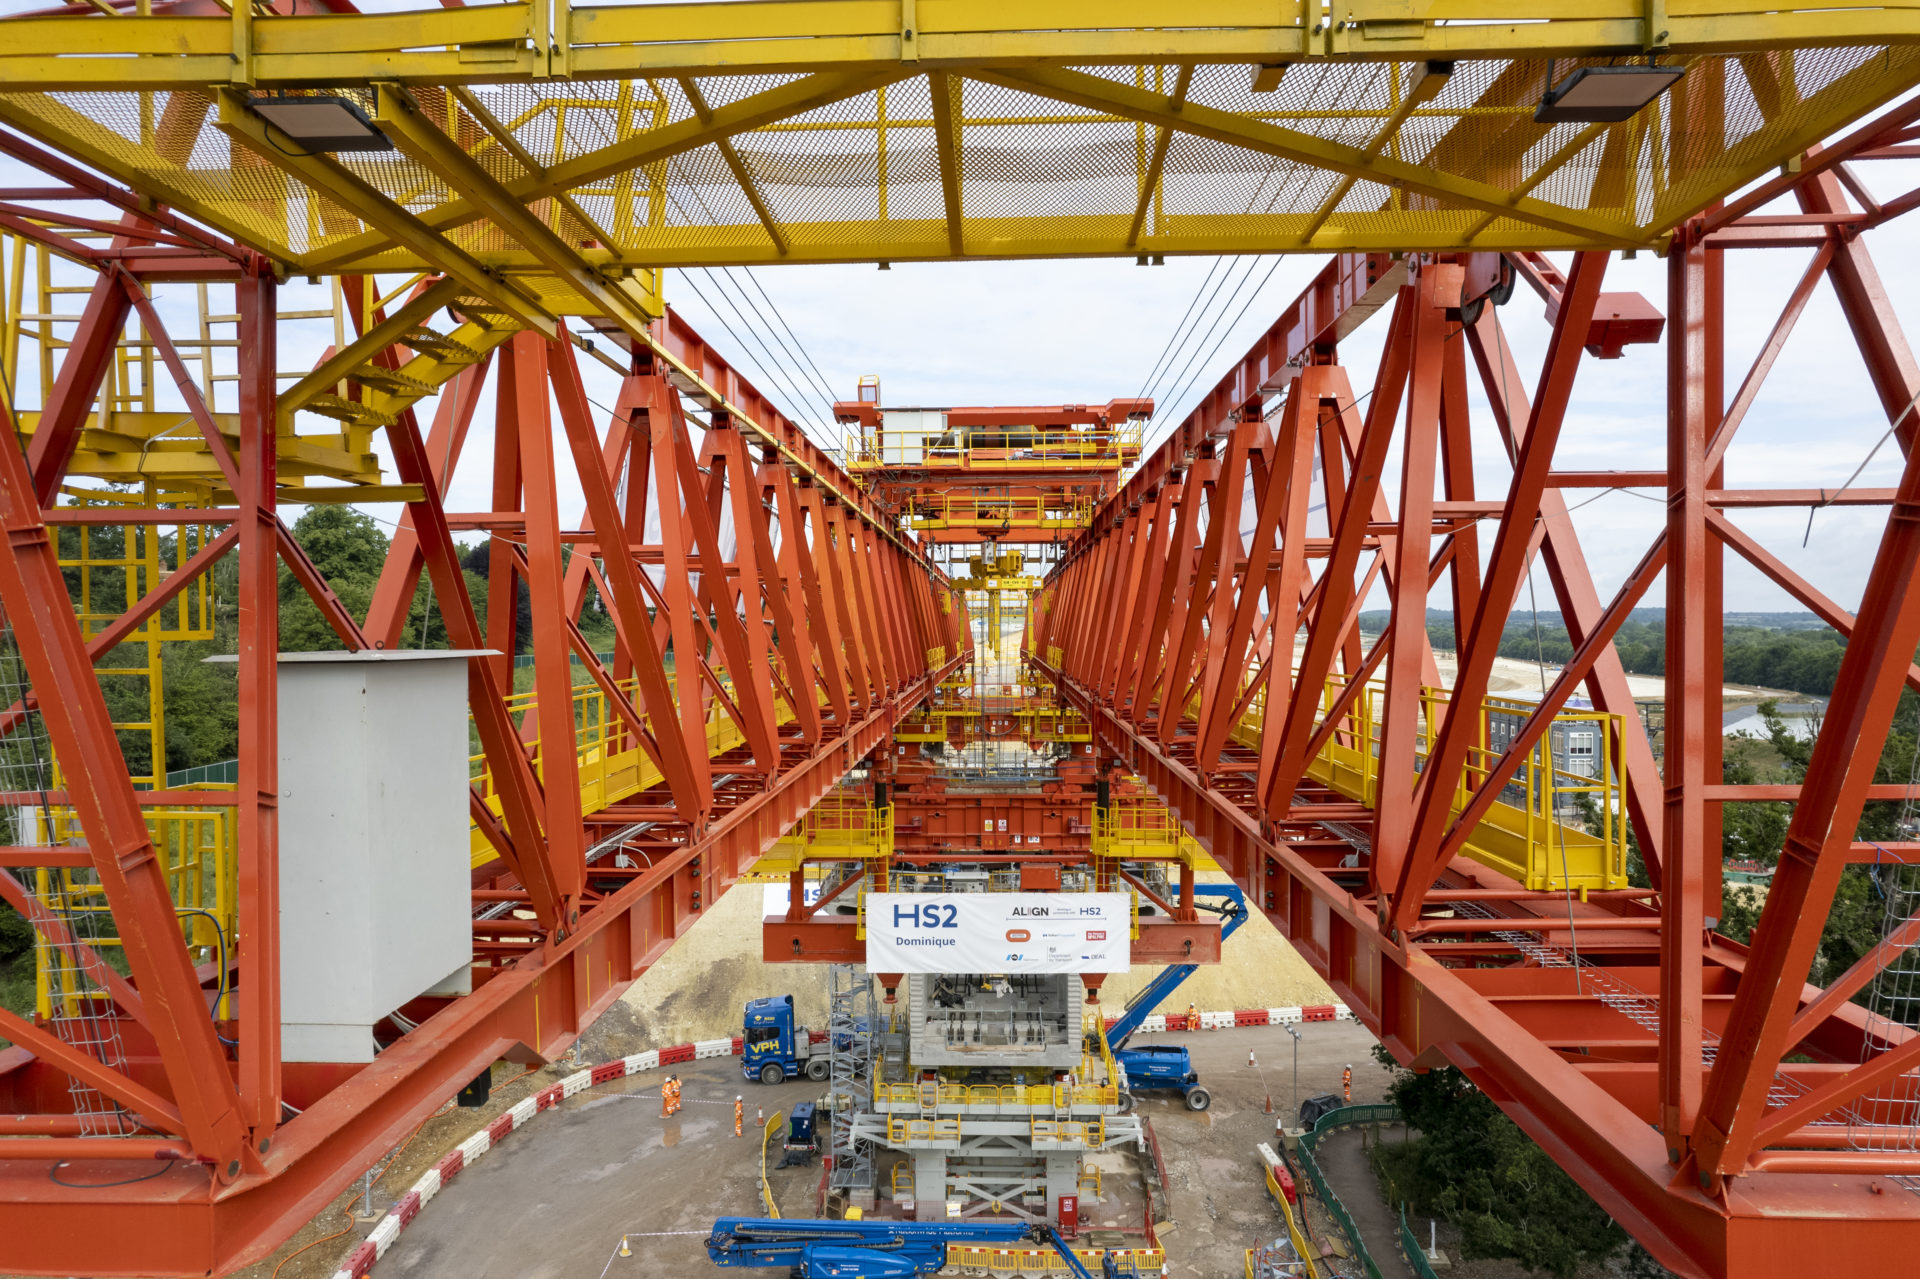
(1053, 159)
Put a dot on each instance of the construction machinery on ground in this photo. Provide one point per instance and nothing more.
(1166, 1066)
(773, 1048)
(861, 1249)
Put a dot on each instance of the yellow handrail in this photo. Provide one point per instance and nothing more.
(766, 1189)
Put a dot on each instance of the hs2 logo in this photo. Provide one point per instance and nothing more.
(931, 915)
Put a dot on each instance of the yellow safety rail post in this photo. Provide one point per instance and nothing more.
(766, 1188)
(1300, 1247)
(1530, 833)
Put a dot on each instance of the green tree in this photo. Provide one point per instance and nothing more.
(349, 550)
(1473, 1166)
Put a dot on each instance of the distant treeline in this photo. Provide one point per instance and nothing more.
(1770, 650)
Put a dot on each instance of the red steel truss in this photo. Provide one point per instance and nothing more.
(1712, 1100)
(1701, 1090)
(802, 634)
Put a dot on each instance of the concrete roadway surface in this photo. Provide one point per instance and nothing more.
(552, 1201)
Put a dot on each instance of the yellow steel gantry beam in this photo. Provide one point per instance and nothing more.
(627, 154)
(1150, 184)
(945, 92)
(481, 44)
(377, 209)
(737, 167)
(420, 138)
(1087, 90)
(1025, 162)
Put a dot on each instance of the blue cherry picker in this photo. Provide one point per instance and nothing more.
(859, 1249)
(1167, 1066)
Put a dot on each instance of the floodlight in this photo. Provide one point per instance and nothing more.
(1604, 95)
(323, 122)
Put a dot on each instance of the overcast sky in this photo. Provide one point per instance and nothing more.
(1086, 331)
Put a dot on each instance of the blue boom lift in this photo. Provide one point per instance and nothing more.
(856, 1249)
(1161, 1066)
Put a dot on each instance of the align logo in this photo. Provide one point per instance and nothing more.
(1019, 935)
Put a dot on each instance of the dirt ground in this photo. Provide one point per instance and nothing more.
(1217, 1184)
(699, 988)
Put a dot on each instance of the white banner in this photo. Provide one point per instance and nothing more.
(998, 933)
(776, 898)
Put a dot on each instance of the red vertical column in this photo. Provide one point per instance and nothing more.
(1689, 720)
(524, 378)
(1407, 643)
(257, 879)
(1713, 670)
(502, 577)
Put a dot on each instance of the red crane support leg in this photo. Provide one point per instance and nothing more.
(1691, 714)
(257, 931)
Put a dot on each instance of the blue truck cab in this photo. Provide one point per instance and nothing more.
(773, 1049)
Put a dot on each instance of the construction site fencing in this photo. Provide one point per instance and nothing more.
(1410, 1247)
(226, 772)
(1344, 1117)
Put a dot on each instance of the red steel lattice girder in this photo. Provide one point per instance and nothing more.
(1657, 1071)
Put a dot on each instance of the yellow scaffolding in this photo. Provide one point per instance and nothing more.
(997, 448)
(195, 847)
(1530, 832)
(937, 512)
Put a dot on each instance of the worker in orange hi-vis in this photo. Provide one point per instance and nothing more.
(739, 1116)
(666, 1097)
(1193, 1017)
(1346, 1082)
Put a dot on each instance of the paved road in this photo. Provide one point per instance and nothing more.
(1343, 1161)
(554, 1199)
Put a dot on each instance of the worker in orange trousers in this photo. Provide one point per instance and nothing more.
(739, 1116)
(670, 1097)
(1346, 1082)
(1193, 1017)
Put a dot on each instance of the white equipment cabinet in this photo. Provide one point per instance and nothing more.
(375, 891)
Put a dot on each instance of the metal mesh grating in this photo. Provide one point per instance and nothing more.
(66, 912)
(852, 176)
(1888, 1117)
